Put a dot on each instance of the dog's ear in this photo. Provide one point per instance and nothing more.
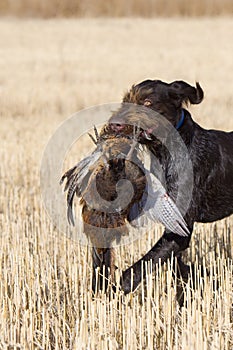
(184, 93)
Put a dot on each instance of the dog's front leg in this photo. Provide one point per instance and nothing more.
(103, 268)
(167, 245)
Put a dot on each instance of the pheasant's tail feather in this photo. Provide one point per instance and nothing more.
(77, 179)
(70, 215)
(67, 175)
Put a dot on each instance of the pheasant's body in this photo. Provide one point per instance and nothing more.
(107, 196)
(103, 204)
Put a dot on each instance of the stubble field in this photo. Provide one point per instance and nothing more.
(50, 69)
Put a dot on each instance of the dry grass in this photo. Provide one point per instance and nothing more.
(48, 70)
(115, 8)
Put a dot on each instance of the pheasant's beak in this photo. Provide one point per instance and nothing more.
(148, 133)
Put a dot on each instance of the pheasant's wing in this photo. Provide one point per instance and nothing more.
(77, 178)
(158, 206)
(162, 208)
(166, 212)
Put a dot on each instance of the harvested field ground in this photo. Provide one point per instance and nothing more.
(50, 69)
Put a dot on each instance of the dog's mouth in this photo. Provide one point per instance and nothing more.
(120, 127)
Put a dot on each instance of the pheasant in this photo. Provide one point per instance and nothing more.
(116, 192)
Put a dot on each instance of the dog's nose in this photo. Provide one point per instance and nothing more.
(117, 126)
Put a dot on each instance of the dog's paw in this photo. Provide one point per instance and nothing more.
(129, 281)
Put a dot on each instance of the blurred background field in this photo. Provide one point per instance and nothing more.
(115, 8)
(50, 69)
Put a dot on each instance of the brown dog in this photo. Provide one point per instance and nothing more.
(210, 152)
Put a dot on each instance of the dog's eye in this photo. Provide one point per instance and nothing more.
(147, 102)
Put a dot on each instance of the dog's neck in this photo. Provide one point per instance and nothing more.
(186, 127)
(181, 120)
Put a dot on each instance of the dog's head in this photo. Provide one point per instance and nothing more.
(145, 105)
(165, 99)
